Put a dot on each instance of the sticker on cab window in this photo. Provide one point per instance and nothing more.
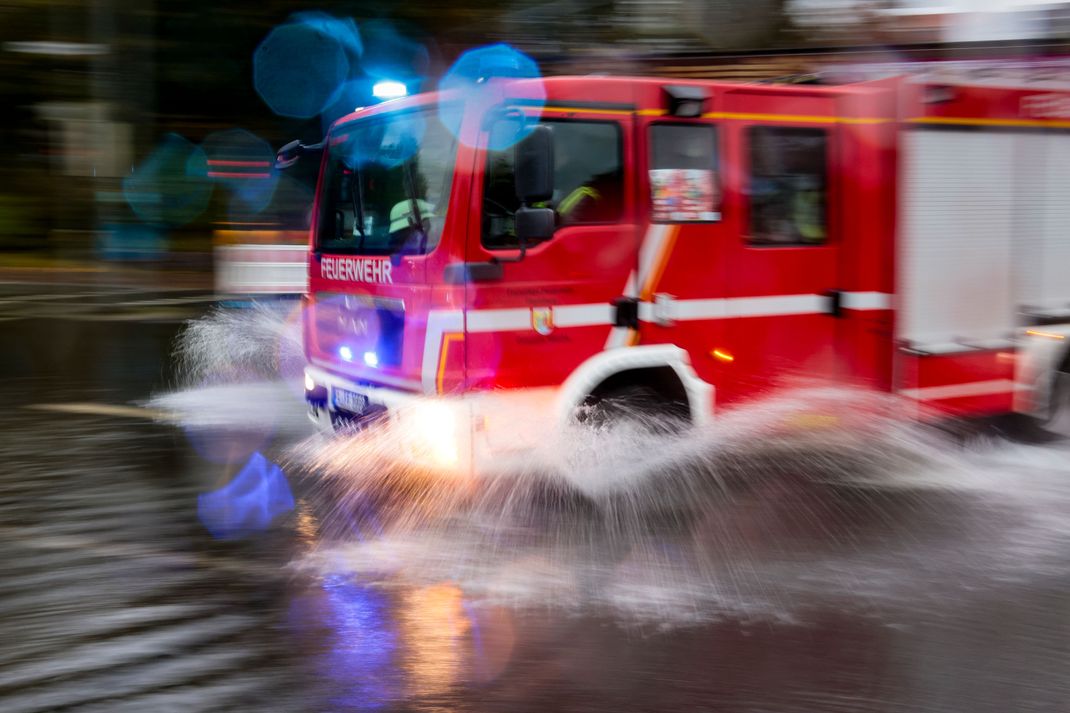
(683, 195)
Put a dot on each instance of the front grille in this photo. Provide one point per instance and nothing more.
(352, 326)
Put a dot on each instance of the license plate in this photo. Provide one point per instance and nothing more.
(350, 401)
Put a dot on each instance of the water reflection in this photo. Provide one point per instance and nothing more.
(359, 664)
(435, 629)
(376, 645)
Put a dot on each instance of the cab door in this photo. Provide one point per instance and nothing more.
(681, 273)
(549, 309)
(782, 310)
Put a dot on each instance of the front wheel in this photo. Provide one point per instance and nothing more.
(638, 406)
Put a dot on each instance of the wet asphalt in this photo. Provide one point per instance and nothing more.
(116, 595)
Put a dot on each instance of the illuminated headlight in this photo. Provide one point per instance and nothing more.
(371, 359)
(310, 383)
(432, 428)
(346, 353)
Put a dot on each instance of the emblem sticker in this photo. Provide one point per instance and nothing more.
(542, 320)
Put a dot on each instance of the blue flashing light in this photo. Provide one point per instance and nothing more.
(345, 352)
(389, 89)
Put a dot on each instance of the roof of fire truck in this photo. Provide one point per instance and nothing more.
(652, 96)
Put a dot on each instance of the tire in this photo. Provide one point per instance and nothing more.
(636, 406)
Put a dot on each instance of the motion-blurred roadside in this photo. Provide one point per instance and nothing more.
(140, 137)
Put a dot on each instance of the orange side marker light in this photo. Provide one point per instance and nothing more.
(1049, 335)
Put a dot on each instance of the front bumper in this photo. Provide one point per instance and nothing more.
(451, 432)
(320, 400)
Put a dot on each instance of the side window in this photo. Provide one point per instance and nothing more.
(788, 186)
(588, 180)
(683, 173)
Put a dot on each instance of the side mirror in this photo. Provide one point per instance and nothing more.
(291, 152)
(534, 163)
(534, 225)
(288, 155)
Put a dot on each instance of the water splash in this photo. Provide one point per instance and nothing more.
(777, 505)
(227, 346)
(239, 377)
(812, 496)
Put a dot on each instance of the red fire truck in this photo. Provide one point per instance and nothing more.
(482, 268)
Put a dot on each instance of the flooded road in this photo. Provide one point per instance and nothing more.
(173, 540)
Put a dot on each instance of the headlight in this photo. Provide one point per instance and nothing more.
(432, 429)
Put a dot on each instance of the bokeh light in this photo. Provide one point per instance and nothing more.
(130, 241)
(291, 204)
(299, 67)
(389, 54)
(352, 95)
(472, 79)
(171, 186)
(243, 163)
(249, 502)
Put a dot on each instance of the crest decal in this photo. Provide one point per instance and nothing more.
(542, 320)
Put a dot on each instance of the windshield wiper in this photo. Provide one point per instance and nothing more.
(356, 197)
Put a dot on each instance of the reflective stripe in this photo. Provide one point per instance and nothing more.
(738, 307)
(589, 315)
(656, 241)
(438, 323)
(506, 320)
(499, 320)
(953, 391)
(776, 306)
(573, 199)
(867, 300)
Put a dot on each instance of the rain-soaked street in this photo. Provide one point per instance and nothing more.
(175, 538)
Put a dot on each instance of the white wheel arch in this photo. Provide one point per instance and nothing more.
(591, 373)
(1040, 352)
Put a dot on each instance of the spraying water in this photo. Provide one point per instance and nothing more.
(812, 493)
(240, 368)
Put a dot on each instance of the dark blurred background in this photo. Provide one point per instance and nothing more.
(135, 135)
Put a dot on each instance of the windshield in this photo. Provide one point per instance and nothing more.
(387, 185)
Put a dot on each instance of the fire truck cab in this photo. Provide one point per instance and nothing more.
(483, 267)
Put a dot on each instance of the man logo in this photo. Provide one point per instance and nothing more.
(353, 325)
(542, 320)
